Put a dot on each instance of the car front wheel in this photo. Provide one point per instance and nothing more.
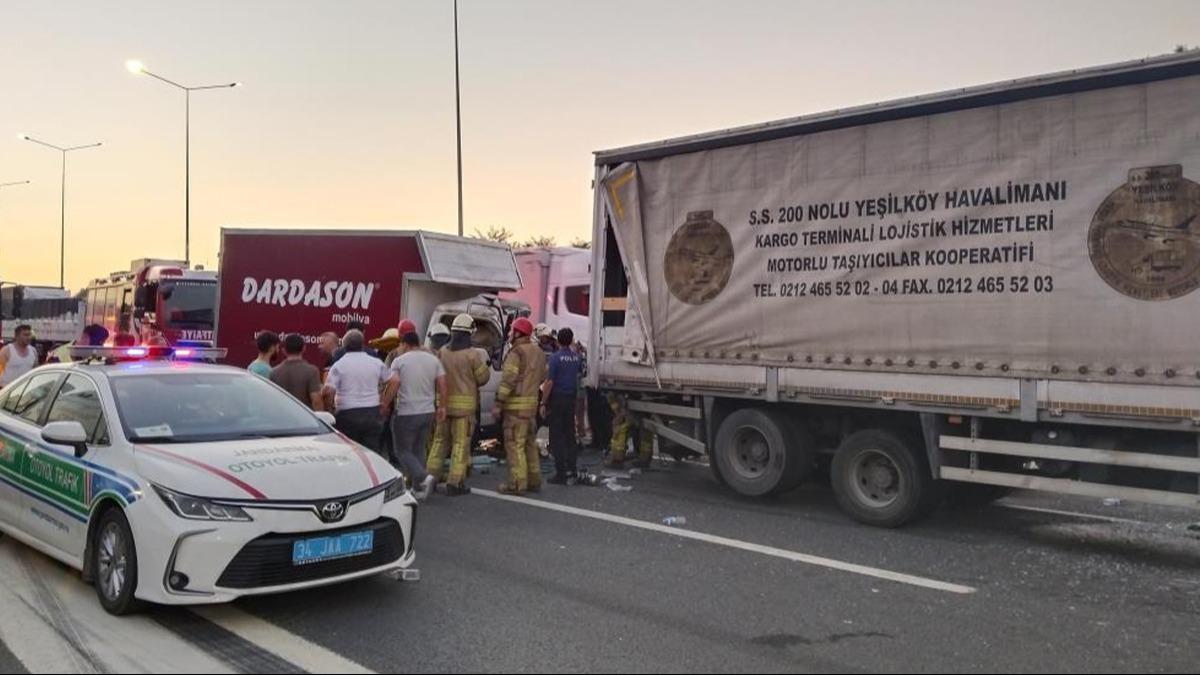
(115, 564)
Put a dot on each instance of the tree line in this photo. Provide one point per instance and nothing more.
(503, 235)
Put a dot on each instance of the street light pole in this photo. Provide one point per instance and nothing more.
(137, 68)
(458, 121)
(187, 178)
(62, 223)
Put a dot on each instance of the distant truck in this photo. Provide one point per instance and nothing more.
(55, 316)
(155, 297)
(953, 295)
(557, 283)
(315, 281)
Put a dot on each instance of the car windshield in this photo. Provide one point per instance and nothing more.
(184, 407)
(189, 305)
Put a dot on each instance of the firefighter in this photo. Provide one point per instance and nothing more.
(545, 338)
(623, 425)
(517, 399)
(466, 372)
(439, 336)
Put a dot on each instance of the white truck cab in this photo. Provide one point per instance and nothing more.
(557, 284)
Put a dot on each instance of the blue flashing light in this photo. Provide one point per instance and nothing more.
(113, 354)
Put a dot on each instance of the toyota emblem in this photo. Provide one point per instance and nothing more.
(332, 512)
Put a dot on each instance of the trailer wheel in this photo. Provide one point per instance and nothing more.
(755, 456)
(881, 479)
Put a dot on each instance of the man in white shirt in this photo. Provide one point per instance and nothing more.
(420, 380)
(355, 381)
(18, 357)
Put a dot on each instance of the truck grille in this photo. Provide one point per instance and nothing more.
(267, 561)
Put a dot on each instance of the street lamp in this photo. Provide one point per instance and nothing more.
(458, 121)
(62, 223)
(139, 68)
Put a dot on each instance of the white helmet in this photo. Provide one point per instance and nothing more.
(438, 329)
(542, 331)
(463, 322)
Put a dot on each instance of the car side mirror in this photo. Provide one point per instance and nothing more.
(326, 417)
(67, 433)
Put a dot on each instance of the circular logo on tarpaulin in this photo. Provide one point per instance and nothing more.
(699, 259)
(1144, 240)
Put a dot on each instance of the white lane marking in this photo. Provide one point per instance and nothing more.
(52, 622)
(287, 646)
(785, 554)
(1072, 514)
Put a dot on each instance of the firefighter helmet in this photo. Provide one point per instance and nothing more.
(522, 327)
(464, 323)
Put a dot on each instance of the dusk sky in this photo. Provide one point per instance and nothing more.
(346, 118)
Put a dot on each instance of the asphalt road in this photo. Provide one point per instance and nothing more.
(787, 584)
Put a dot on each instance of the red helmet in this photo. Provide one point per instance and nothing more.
(522, 327)
(406, 326)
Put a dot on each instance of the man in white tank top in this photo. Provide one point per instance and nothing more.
(18, 357)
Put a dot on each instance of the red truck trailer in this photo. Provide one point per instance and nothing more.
(313, 281)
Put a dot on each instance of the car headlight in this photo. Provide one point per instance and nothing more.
(196, 508)
(395, 490)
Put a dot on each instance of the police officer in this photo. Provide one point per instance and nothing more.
(466, 372)
(558, 406)
(524, 371)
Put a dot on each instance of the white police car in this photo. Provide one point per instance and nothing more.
(189, 483)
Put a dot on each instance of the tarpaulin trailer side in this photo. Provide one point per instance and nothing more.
(1013, 264)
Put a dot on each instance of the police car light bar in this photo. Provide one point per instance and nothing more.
(140, 353)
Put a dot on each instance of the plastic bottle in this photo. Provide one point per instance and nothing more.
(674, 521)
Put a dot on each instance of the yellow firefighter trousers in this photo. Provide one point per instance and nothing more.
(454, 432)
(520, 447)
(620, 441)
(438, 436)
